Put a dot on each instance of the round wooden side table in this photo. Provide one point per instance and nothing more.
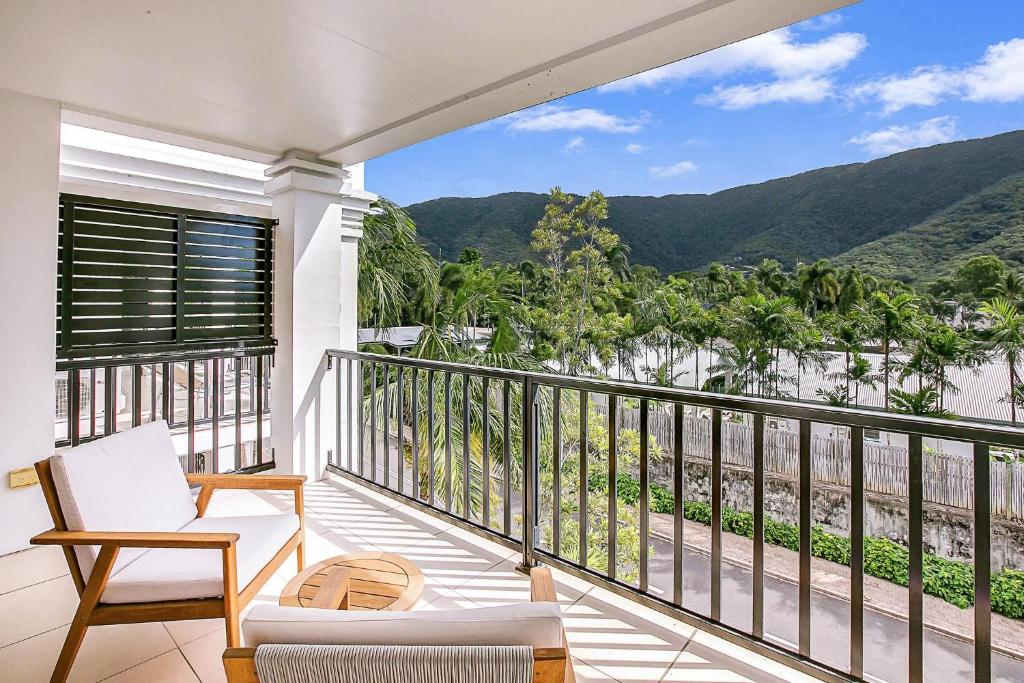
(379, 581)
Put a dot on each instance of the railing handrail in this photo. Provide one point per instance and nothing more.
(956, 430)
(160, 358)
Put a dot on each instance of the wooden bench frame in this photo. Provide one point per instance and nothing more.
(550, 664)
(92, 612)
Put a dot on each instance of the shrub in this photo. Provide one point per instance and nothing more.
(950, 580)
(1008, 593)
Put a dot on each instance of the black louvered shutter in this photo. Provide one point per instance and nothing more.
(137, 279)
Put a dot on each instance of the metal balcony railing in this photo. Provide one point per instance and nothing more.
(218, 401)
(458, 440)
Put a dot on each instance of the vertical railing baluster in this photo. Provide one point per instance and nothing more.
(361, 418)
(645, 503)
(238, 413)
(758, 568)
(414, 395)
(152, 392)
(338, 413)
(259, 408)
(448, 441)
(857, 552)
(530, 438)
(109, 401)
(215, 417)
(167, 396)
(75, 405)
(506, 457)
(400, 424)
(613, 488)
(373, 422)
(556, 471)
(982, 565)
(584, 442)
(350, 447)
(431, 473)
(679, 489)
(190, 415)
(136, 395)
(915, 572)
(466, 460)
(485, 428)
(805, 540)
(386, 418)
(92, 400)
(716, 514)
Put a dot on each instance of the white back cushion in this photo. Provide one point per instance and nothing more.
(130, 481)
(534, 624)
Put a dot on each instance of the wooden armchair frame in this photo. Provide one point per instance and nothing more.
(91, 612)
(550, 664)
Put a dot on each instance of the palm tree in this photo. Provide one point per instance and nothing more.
(1010, 288)
(768, 274)
(617, 258)
(818, 284)
(1006, 330)
(921, 402)
(391, 264)
(946, 348)
(897, 318)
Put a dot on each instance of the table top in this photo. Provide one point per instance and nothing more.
(380, 581)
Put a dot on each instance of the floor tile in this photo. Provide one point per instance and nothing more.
(30, 567)
(36, 609)
(503, 584)
(618, 642)
(170, 667)
(710, 652)
(205, 657)
(186, 631)
(107, 650)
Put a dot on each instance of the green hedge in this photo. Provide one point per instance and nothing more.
(950, 580)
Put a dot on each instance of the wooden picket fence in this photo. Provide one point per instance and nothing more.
(948, 477)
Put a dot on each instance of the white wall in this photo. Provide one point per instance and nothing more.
(29, 167)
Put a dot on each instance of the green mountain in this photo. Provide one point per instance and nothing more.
(989, 222)
(822, 213)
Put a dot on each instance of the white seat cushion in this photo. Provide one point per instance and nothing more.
(535, 624)
(130, 481)
(182, 574)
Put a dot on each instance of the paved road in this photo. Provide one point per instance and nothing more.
(885, 637)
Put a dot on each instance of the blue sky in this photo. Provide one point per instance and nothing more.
(853, 85)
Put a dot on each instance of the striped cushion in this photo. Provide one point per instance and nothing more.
(394, 664)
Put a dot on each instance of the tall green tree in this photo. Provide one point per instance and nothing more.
(895, 319)
(1006, 330)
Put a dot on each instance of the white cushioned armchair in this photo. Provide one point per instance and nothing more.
(300, 635)
(137, 543)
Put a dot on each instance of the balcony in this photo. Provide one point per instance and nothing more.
(611, 639)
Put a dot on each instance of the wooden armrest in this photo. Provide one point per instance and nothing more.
(138, 539)
(262, 482)
(333, 592)
(542, 586)
(240, 665)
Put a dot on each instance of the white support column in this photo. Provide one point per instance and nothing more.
(320, 209)
(30, 140)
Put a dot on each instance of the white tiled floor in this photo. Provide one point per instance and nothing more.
(611, 638)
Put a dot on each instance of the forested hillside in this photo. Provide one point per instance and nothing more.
(990, 222)
(822, 213)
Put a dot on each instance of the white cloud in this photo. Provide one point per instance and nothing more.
(997, 77)
(822, 22)
(635, 148)
(553, 117)
(899, 138)
(672, 170)
(799, 70)
(809, 89)
(575, 144)
(923, 87)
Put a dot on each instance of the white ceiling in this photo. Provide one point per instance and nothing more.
(349, 79)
